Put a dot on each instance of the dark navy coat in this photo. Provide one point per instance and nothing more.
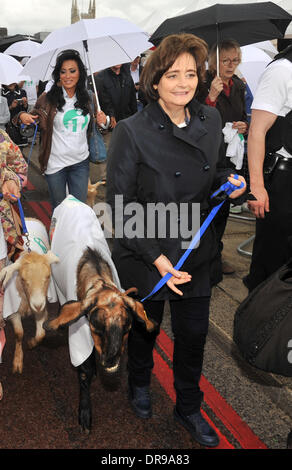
(151, 160)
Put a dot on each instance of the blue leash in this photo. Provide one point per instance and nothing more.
(227, 188)
(21, 213)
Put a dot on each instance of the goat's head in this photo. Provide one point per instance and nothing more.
(110, 313)
(34, 272)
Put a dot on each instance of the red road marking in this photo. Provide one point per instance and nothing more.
(231, 420)
(42, 209)
(165, 377)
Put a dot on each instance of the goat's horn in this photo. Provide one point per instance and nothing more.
(132, 289)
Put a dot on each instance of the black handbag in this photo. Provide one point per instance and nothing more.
(263, 324)
(97, 149)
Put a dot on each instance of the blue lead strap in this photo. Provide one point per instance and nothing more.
(21, 213)
(228, 188)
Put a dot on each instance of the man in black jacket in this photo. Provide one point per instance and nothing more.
(116, 93)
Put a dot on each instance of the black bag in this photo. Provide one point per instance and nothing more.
(263, 324)
(13, 133)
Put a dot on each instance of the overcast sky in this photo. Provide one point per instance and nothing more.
(33, 16)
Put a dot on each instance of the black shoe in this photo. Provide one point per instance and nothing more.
(139, 398)
(198, 428)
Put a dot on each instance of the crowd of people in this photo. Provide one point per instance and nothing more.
(168, 122)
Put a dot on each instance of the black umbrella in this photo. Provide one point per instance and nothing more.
(246, 22)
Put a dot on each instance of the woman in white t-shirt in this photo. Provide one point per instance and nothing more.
(65, 117)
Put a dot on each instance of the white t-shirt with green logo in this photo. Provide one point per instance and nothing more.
(69, 139)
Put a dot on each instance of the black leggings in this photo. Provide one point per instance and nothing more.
(189, 319)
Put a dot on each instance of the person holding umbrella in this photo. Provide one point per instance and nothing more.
(226, 92)
(65, 118)
(167, 153)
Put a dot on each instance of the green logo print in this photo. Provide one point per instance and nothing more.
(74, 121)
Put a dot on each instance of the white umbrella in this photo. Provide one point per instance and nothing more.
(101, 42)
(23, 48)
(10, 69)
(253, 63)
(268, 47)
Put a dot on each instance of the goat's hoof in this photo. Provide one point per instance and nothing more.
(289, 440)
(85, 421)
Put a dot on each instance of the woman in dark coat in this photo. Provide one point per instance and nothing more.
(225, 92)
(167, 154)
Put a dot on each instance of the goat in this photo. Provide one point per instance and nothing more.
(98, 313)
(29, 276)
(92, 192)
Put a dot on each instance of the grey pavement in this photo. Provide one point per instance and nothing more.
(263, 400)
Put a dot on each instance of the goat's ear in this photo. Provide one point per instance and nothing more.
(51, 257)
(139, 312)
(7, 272)
(69, 313)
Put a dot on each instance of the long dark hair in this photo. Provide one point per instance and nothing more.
(55, 95)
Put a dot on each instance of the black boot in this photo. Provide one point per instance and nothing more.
(85, 373)
(140, 400)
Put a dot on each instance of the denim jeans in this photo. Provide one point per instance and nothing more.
(75, 177)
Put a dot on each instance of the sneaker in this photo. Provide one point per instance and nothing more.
(139, 398)
(198, 427)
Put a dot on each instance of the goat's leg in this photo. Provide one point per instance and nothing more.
(18, 331)
(85, 373)
(40, 332)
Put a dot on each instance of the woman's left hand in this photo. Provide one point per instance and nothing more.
(237, 192)
(10, 187)
(100, 118)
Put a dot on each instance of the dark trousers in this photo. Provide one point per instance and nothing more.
(189, 320)
(272, 245)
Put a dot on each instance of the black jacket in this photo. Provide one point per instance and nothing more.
(150, 160)
(231, 108)
(116, 93)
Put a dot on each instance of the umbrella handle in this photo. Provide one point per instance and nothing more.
(92, 77)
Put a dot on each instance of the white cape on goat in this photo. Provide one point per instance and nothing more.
(39, 242)
(75, 227)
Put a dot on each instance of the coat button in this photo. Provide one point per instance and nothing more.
(177, 174)
(161, 127)
(202, 117)
(206, 167)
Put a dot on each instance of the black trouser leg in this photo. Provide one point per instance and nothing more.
(272, 245)
(141, 344)
(190, 320)
(85, 373)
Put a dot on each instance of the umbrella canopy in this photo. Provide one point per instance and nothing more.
(23, 48)
(10, 69)
(246, 22)
(110, 41)
(101, 42)
(253, 64)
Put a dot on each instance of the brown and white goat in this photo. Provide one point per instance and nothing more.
(109, 312)
(32, 281)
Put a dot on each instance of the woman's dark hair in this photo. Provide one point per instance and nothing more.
(162, 58)
(55, 94)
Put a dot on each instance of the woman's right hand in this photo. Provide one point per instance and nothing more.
(164, 266)
(215, 88)
(27, 118)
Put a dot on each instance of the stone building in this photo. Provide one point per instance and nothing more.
(76, 16)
